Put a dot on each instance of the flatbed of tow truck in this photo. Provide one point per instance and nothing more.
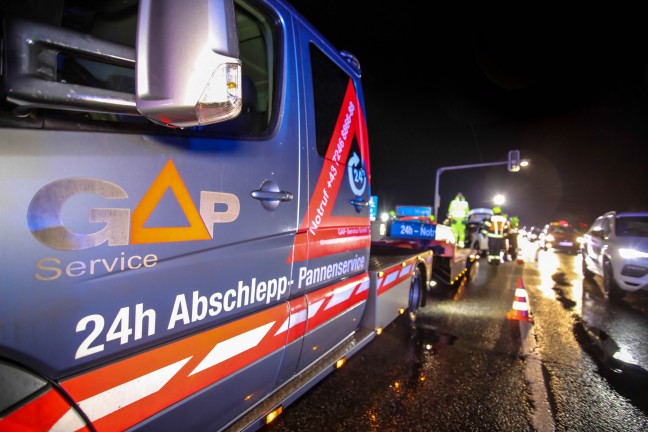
(413, 230)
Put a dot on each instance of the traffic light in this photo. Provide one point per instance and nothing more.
(514, 160)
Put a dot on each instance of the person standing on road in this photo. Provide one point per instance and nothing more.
(512, 237)
(496, 229)
(458, 215)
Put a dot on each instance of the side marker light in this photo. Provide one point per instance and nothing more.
(274, 414)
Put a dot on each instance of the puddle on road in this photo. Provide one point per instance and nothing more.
(560, 288)
(431, 340)
(629, 380)
(560, 278)
(565, 301)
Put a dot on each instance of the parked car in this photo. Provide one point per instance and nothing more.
(616, 249)
(478, 241)
(561, 237)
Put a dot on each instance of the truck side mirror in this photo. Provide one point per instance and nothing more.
(188, 71)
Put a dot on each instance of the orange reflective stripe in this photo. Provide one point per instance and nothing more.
(295, 324)
(332, 300)
(394, 275)
(43, 413)
(126, 392)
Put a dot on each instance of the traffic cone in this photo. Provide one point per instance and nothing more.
(520, 310)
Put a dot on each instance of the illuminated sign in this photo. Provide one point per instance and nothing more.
(413, 230)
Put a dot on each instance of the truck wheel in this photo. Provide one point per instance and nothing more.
(415, 294)
(610, 287)
(587, 274)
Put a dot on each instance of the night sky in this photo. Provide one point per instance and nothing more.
(445, 88)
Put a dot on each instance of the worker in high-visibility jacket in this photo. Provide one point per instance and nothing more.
(458, 215)
(496, 229)
(512, 237)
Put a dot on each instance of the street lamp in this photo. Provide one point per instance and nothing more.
(514, 163)
(499, 199)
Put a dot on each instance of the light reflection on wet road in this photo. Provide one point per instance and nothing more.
(463, 366)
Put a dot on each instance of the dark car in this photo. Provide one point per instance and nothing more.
(559, 237)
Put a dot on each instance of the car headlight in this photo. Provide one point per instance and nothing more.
(549, 238)
(632, 253)
(580, 240)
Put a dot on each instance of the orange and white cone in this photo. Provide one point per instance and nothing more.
(520, 310)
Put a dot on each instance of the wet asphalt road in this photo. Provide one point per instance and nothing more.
(464, 366)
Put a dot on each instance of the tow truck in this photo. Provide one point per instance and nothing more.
(187, 243)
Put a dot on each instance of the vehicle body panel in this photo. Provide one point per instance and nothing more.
(604, 243)
(151, 286)
(476, 218)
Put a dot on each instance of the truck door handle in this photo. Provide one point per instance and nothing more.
(359, 204)
(271, 195)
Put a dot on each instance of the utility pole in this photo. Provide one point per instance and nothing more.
(513, 164)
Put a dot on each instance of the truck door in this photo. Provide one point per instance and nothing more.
(332, 245)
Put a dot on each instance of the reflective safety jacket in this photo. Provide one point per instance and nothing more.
(458, 208)
(496, 226)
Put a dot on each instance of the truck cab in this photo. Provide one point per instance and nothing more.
(186, 189)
